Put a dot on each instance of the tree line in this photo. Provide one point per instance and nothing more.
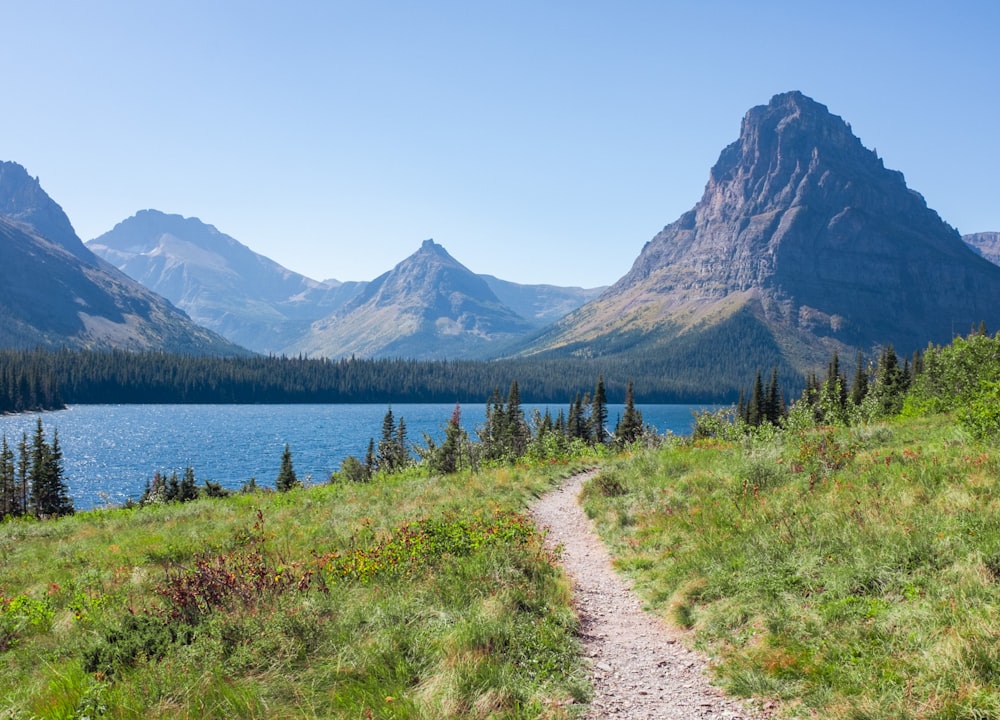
(44, 379)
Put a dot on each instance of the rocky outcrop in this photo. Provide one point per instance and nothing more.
(429, 306)
(804, 230)
(220, 282)
(55, 293)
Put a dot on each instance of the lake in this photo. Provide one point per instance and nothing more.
(111, 451)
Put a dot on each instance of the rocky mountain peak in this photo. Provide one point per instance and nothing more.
(23, 200)
(804, 234)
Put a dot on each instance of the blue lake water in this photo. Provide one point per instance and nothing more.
(111, 451)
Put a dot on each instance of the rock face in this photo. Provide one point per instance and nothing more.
(429, 306)
(803, 240)
(56, 293)
(986, 244)
(219, 282)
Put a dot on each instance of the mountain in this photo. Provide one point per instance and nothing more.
(219, 282)
(429, 306)
(802, 243)
(56, 293)
(986, 244)
(540, 305)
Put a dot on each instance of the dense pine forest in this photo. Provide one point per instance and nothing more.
(42, 379)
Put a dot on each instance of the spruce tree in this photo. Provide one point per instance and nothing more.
(774, 404)
(387, 445)
(286, 475)
(62, 504)
(23, 472)
(859, 388)
(599, 412)
(8, 482)
(187, 490)
(755, 408)
(516, 431)
(629, 428)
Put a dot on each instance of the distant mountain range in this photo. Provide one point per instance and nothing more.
(803, 243)
(56, 293)
(429, 306)
(219, 282)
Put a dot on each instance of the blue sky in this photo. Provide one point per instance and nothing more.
(543, 142)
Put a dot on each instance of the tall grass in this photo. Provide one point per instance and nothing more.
(408, 598)
(843, 573)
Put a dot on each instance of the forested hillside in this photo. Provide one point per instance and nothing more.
(40, 379)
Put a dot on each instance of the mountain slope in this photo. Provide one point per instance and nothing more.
(56, 293)
(803, 231)
(219, 282)
(540, 304)
(428, 306)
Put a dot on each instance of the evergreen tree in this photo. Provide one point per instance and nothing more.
(599, 412)
(629, 428)
(23, 472)
(516, 432)
(387, 453)
(774, 403)
(286, 475)
(187, 490)
(401, 457)
(62, 504)
(755, 408)
(370, 459)
(859, 388)
(8, 482)
(447, 459)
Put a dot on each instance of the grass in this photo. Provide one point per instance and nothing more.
(412, 597)
(841, 573)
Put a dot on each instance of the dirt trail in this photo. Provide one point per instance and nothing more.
(640, 668)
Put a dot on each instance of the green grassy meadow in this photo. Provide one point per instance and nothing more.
(838, 572)
(411, 597)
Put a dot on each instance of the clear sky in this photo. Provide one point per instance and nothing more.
(539, 141)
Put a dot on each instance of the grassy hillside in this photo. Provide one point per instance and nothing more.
(410, 598)
(842, 573)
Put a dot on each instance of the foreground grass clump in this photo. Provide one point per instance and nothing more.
(848, 573)
(407, 598)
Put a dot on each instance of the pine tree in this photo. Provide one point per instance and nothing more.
(370, 459)
(386, 458)
(447, 459)
(516, 430)
(8, 482)
(286, 475)
(599, 412)
(187, 490)
(774, 404)
(23, 473)
(401, 456)
(859, 388)
(629, 428)
(62, 504)
(755, 408)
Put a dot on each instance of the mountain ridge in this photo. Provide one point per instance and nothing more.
(56, 293)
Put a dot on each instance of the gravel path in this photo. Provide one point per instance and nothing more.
(640, 667)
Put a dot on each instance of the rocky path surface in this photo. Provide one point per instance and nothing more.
(640, 669)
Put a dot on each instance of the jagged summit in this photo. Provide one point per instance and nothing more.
(803, 234)
(23, 200)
